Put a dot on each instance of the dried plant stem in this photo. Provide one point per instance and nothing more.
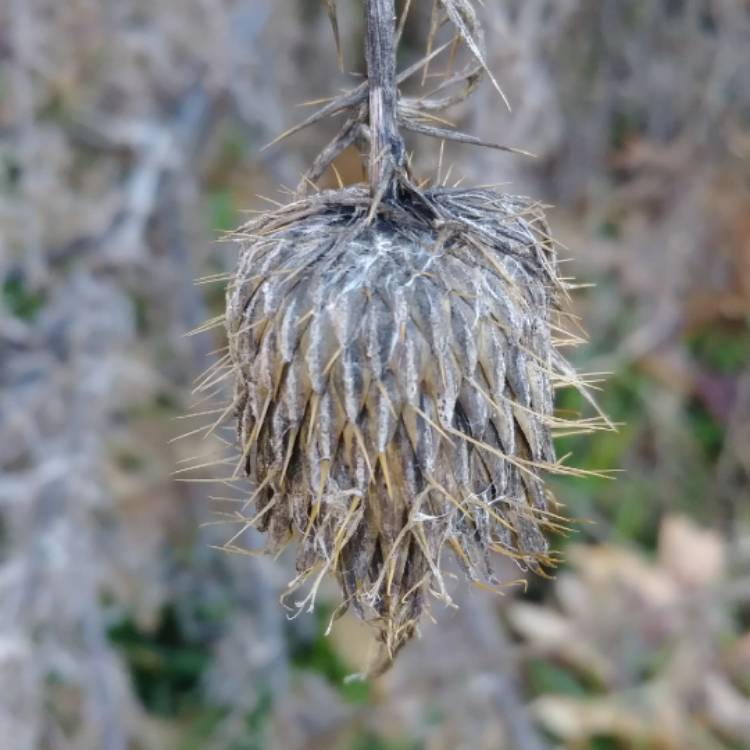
(387, 152)
(395, 365)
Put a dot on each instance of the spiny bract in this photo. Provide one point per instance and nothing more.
(394, 383)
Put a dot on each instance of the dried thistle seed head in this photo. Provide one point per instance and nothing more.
(394, 391)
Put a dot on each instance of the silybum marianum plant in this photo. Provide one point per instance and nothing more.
(395, 355)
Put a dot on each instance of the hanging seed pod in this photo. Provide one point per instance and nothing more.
(394, 386)
(395, 364)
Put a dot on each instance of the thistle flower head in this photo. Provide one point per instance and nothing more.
(395, 356)
(394, 385)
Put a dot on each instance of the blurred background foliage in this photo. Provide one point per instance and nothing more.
(130, 142)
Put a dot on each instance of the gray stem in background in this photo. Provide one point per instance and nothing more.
(386, 148)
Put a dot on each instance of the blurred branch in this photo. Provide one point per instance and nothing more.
(160, 150)
(487, 631)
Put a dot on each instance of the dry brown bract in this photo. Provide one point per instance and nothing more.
(394, 383)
